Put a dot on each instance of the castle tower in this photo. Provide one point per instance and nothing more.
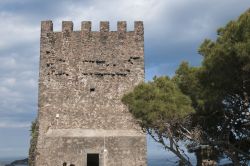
(83, 76)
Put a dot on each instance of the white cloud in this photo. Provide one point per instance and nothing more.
(9, 81)
(114, 10)
(31, 83)
(166, 21)
(12, 124)
(7, 62)
(16, 29)
(169, 25)
(6, 93)
(177, 21)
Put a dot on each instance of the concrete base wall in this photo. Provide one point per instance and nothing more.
(113, 150)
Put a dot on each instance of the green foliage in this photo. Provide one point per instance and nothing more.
(158, 101)
(216, 95)
(220, 89)
(226, 67)
(187, 80)
(225, 77)
(226, 64)
(33, 142)
(161, 109)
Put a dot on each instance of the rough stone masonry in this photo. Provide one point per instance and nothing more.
(83, 76)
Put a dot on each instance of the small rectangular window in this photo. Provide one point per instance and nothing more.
(93, 159)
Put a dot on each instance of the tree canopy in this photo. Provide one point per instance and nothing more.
(162, 110)
(158, 99)
(225, 78)
(209, 104)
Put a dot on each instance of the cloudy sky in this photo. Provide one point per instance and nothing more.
(174, 30)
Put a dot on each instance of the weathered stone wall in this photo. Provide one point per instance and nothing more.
(83, 75)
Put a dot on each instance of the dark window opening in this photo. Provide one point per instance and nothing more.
(92, 159)
(92, 89)
(99, 74)
(64, 164)
(61, 60)
(135, 57)
(99, 62)
(121, 74)
(130, 61)
(128, 70)
(89, 61)
(49, 64)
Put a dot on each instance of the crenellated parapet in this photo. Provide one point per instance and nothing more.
(46, 27)
(104, 30)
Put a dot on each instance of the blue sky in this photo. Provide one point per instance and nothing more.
(174, 29)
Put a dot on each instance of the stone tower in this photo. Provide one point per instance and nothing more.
(83, 76)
